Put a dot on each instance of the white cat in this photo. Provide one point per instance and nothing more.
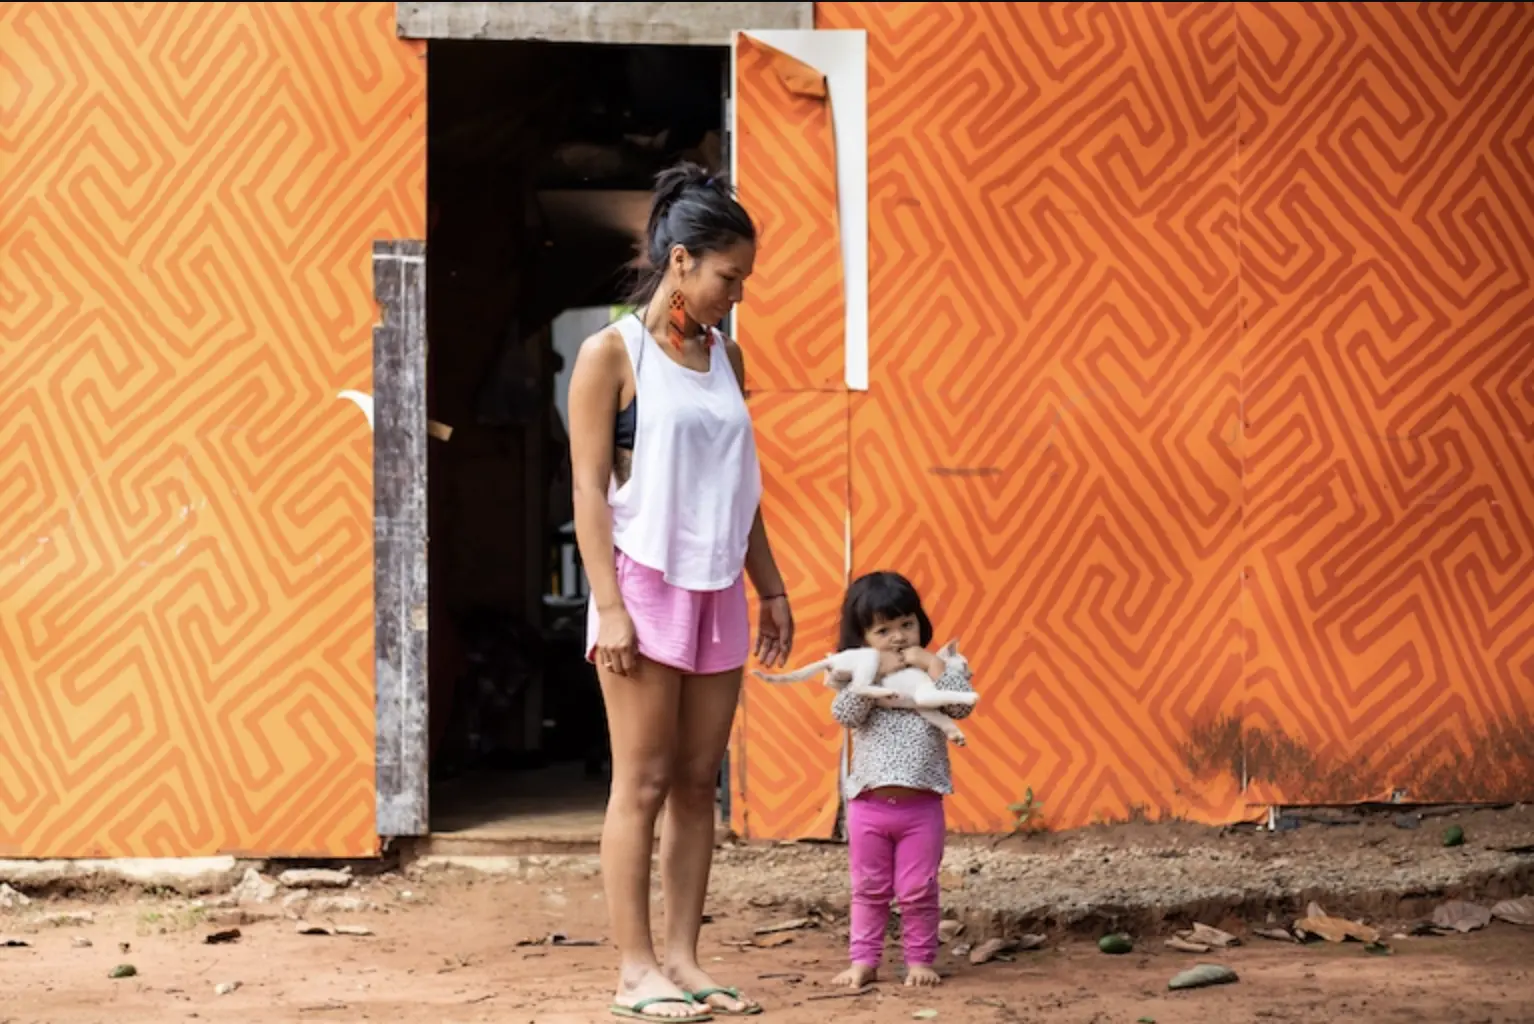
(909, 688)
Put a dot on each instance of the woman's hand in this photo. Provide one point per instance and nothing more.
(617, 649)
(775, 632)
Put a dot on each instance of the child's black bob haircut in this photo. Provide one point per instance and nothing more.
(880, 595)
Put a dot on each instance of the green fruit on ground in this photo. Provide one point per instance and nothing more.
(1115, 945)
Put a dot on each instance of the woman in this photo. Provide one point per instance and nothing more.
(667, 489)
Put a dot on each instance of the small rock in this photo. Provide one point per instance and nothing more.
(254, 888)
(315, 878)
(122, 971)
(304, 928)
(223, 938)
(10, 899)
(337, 905)
(225, 988)
(294, 898)
(81, 942)
(9, 943)
(1203, 976)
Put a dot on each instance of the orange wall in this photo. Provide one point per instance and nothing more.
(1200, 410)
(1200, 399)
(188, 197)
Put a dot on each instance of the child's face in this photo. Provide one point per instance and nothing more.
(893, 634)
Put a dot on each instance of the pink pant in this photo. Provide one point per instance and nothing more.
(896, 850)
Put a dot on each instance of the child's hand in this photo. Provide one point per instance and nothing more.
(890, 662)
(919, 657)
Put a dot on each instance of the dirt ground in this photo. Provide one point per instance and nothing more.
(448, 946)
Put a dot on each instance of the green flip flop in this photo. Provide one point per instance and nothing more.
(637, 1011)
(702, 995)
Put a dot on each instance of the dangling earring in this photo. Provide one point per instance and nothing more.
(677, 321)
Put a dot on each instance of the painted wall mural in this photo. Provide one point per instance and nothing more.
(188, 199)
(1202, 398)
(1201, 410)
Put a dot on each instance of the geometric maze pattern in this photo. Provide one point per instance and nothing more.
(1202, 395)
(188, 198)
(783, 762)
(1201, 408)
(1387, 275)
(785, 152)
(786, 744)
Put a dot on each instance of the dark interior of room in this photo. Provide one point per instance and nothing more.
(540, 158)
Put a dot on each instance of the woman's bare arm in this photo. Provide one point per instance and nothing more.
(596, 381)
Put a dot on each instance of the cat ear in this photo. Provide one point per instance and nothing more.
(949, 649)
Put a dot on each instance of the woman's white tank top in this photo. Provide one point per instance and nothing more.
(691, 498)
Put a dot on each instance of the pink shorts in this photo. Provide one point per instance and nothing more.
(695, 632)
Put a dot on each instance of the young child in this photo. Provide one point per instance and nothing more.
(895, 790)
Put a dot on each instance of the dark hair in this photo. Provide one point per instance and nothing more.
(694, 209)
(880, 595)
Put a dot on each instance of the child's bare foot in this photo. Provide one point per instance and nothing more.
(921, 976)
(856, 976)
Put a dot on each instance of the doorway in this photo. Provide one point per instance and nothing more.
(540, 160)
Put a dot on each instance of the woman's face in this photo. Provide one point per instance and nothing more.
(712, 283)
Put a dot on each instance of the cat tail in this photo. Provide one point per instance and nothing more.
(796, 676)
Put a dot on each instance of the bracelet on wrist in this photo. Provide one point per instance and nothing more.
(771, 597)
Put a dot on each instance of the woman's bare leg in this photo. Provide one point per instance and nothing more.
(642, 718)
(687, 837)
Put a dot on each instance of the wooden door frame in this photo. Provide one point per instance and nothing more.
(400, 579)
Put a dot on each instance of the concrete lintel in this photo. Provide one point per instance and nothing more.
(696, 24)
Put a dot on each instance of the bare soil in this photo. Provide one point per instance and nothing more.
(447, 947)
(1155, 877)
